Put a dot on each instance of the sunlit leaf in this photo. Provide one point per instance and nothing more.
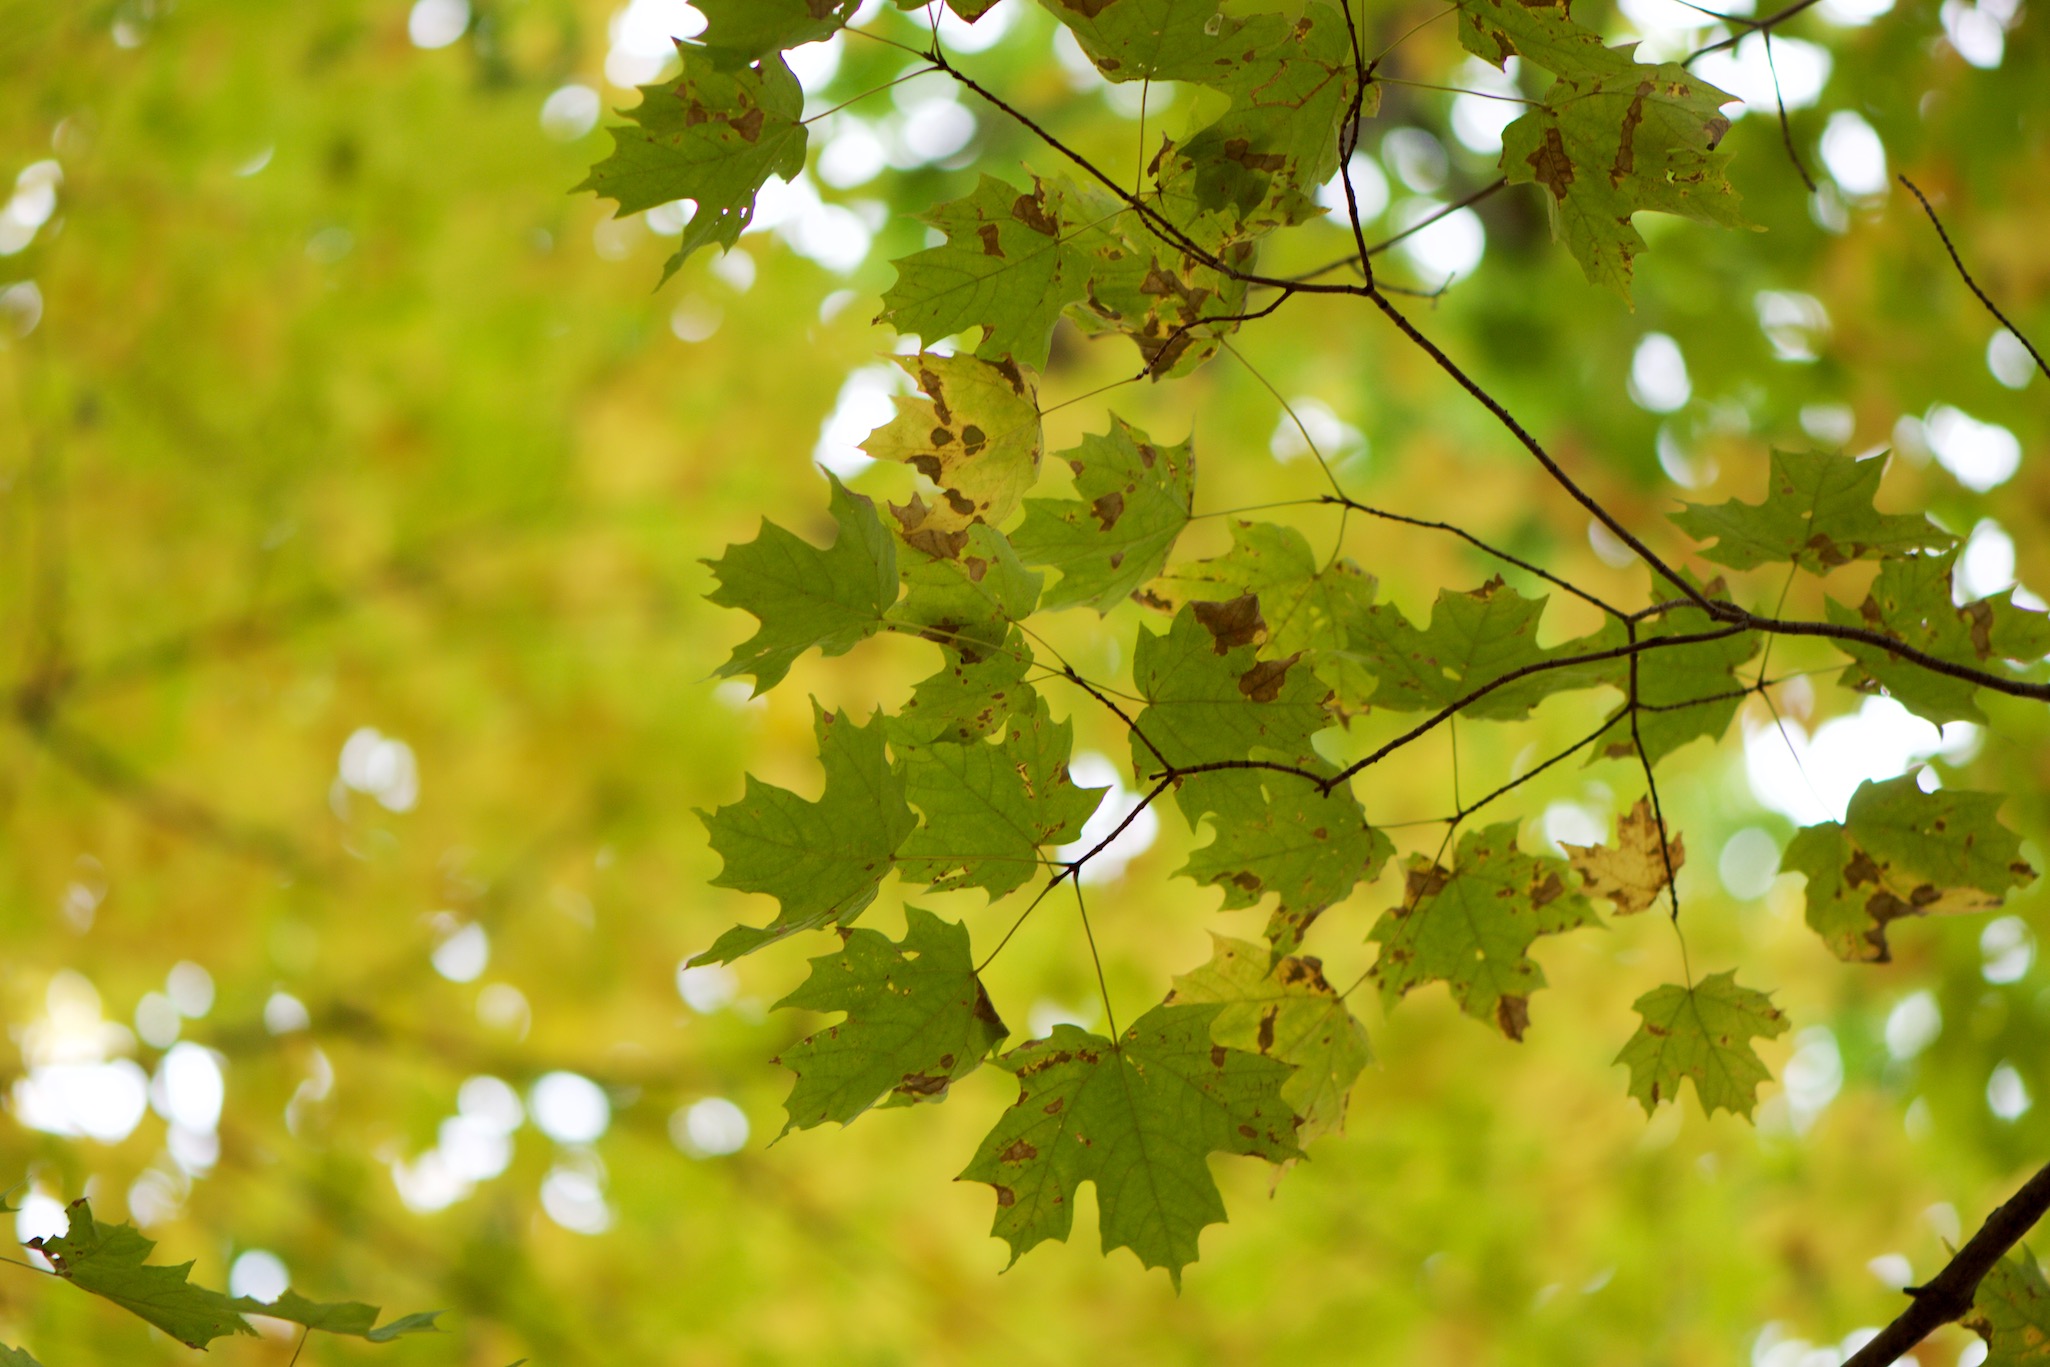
(1817, 514)
(1135, 496)
(1702, 1032)
(1636, 869)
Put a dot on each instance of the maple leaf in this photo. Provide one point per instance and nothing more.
(738, 32)
(1474, 639)
(917, 1020)
(1138, 1118)
(2011, 1312)
(710, 136)
(1135, 499)
(1277, 833)
(1009, 266)
(111, 1262)
(970, 601)
(1902, 852)
(974, 434)
(1817, 514)
(1684, 692)
(352, 1319)
(16, 1357)
(1614, 136)
(1172, 303)
(1705, 1033)
(969, 697)
(1209, 698)
(824, 860)
(1911, 600)
(804, 596)
(1285, 1010)
(1635, 870)
(1471, 926)
(999, 803)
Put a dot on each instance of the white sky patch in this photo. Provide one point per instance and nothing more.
(570, 112)
(463, 951)
(852, 152)
(1811, 779)
(1452, 246)
(1744, 72)
(2007, 950)
(1658, 375)
(2009, 360)
(573, 1194)
(381, 767)
(1572, 823)
(21, 306)
(816, 64)
(1853, 154)
(1832, 424)
(1983, 455)
(1913, 1024)
(1749, 863)
(1369, 191)
(1853, 13)
(1417, 159)
(1610, 549)
(1091, 770)
(284, 1013)
(642, 37)
(958, 35)
(832, 235)
(707, 988)
(1978, 32)
(157, 1020)
(76, 1085)
(1670, 30)
(190, 1088)
(1796, 324)
(570, 1108)
(1986, 564)
(437, 23)
(1478, 121)
(710, 1128)
(1047, 1013)
(1074, 62)
(1813, 1076)
(864, 404)
(191, 989)
(259, 1275)
(2007, 1096)
(32, 204)
(1332, 436)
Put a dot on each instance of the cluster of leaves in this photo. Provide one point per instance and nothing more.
(112, 1262)
(1266, 654)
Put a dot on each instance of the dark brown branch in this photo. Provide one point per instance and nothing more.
(1970, 283)
(1476, 542)
(1786, 129)
(1454, 207)
(1948, 1295)
(1751, 26)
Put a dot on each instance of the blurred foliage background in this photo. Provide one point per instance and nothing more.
(353, 488)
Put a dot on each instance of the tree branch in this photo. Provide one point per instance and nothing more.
(1970, 283)
(1948, 1295)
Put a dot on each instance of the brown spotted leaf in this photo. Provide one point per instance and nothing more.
(973, 432)
(1635, 870)
(1903, 852)
(2011, 1311)
(1139, 1118)
(1133, 497)
(1817, 514)
(917, 1019)
(1471, 926)
(1286, 1010)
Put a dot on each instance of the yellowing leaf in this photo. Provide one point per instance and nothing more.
(1705, 1033)
(1285, 1011)
(1634, 871)
(2011, 1311)
(974, 434)
(1903, 852)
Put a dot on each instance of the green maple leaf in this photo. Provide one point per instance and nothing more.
(1471, 926)
(2011, 1312)
(804, 596)
(1155, 292)
(1310, 609)
(738, 32)
(1285, 1010)
(111, 1262)
(1164, 40)
(1009, 266)
(969, 602)
(1276, 833)
(971, 10)
(824, 860)
(974, 433)
(1903, 852)
(350, 1318)
(1703, 1032)
(989, 808)
(1138, 1118)
(1817, 514)
(1209, 698)
(16, 1357)
(1911, 601)
(1135, 499)
(968, 698)
(917, 1019)
(1685, 691)
(1614, 136)
(713, 137)
(1474, 639)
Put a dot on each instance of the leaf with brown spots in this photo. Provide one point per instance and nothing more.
(2011, 1312)
(1139, 1118)
(1133, 500)
(1705, 1033)
(738, 32)
(1010, 264)
(917, 1019)
(1817, 514)
(710, 136)
(1635, 870)
(1471, 926)
(1474, 639)
(1285, 1010)
(1903, 852)
(973, 433)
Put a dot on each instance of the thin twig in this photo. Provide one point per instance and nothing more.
(1970, 283)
